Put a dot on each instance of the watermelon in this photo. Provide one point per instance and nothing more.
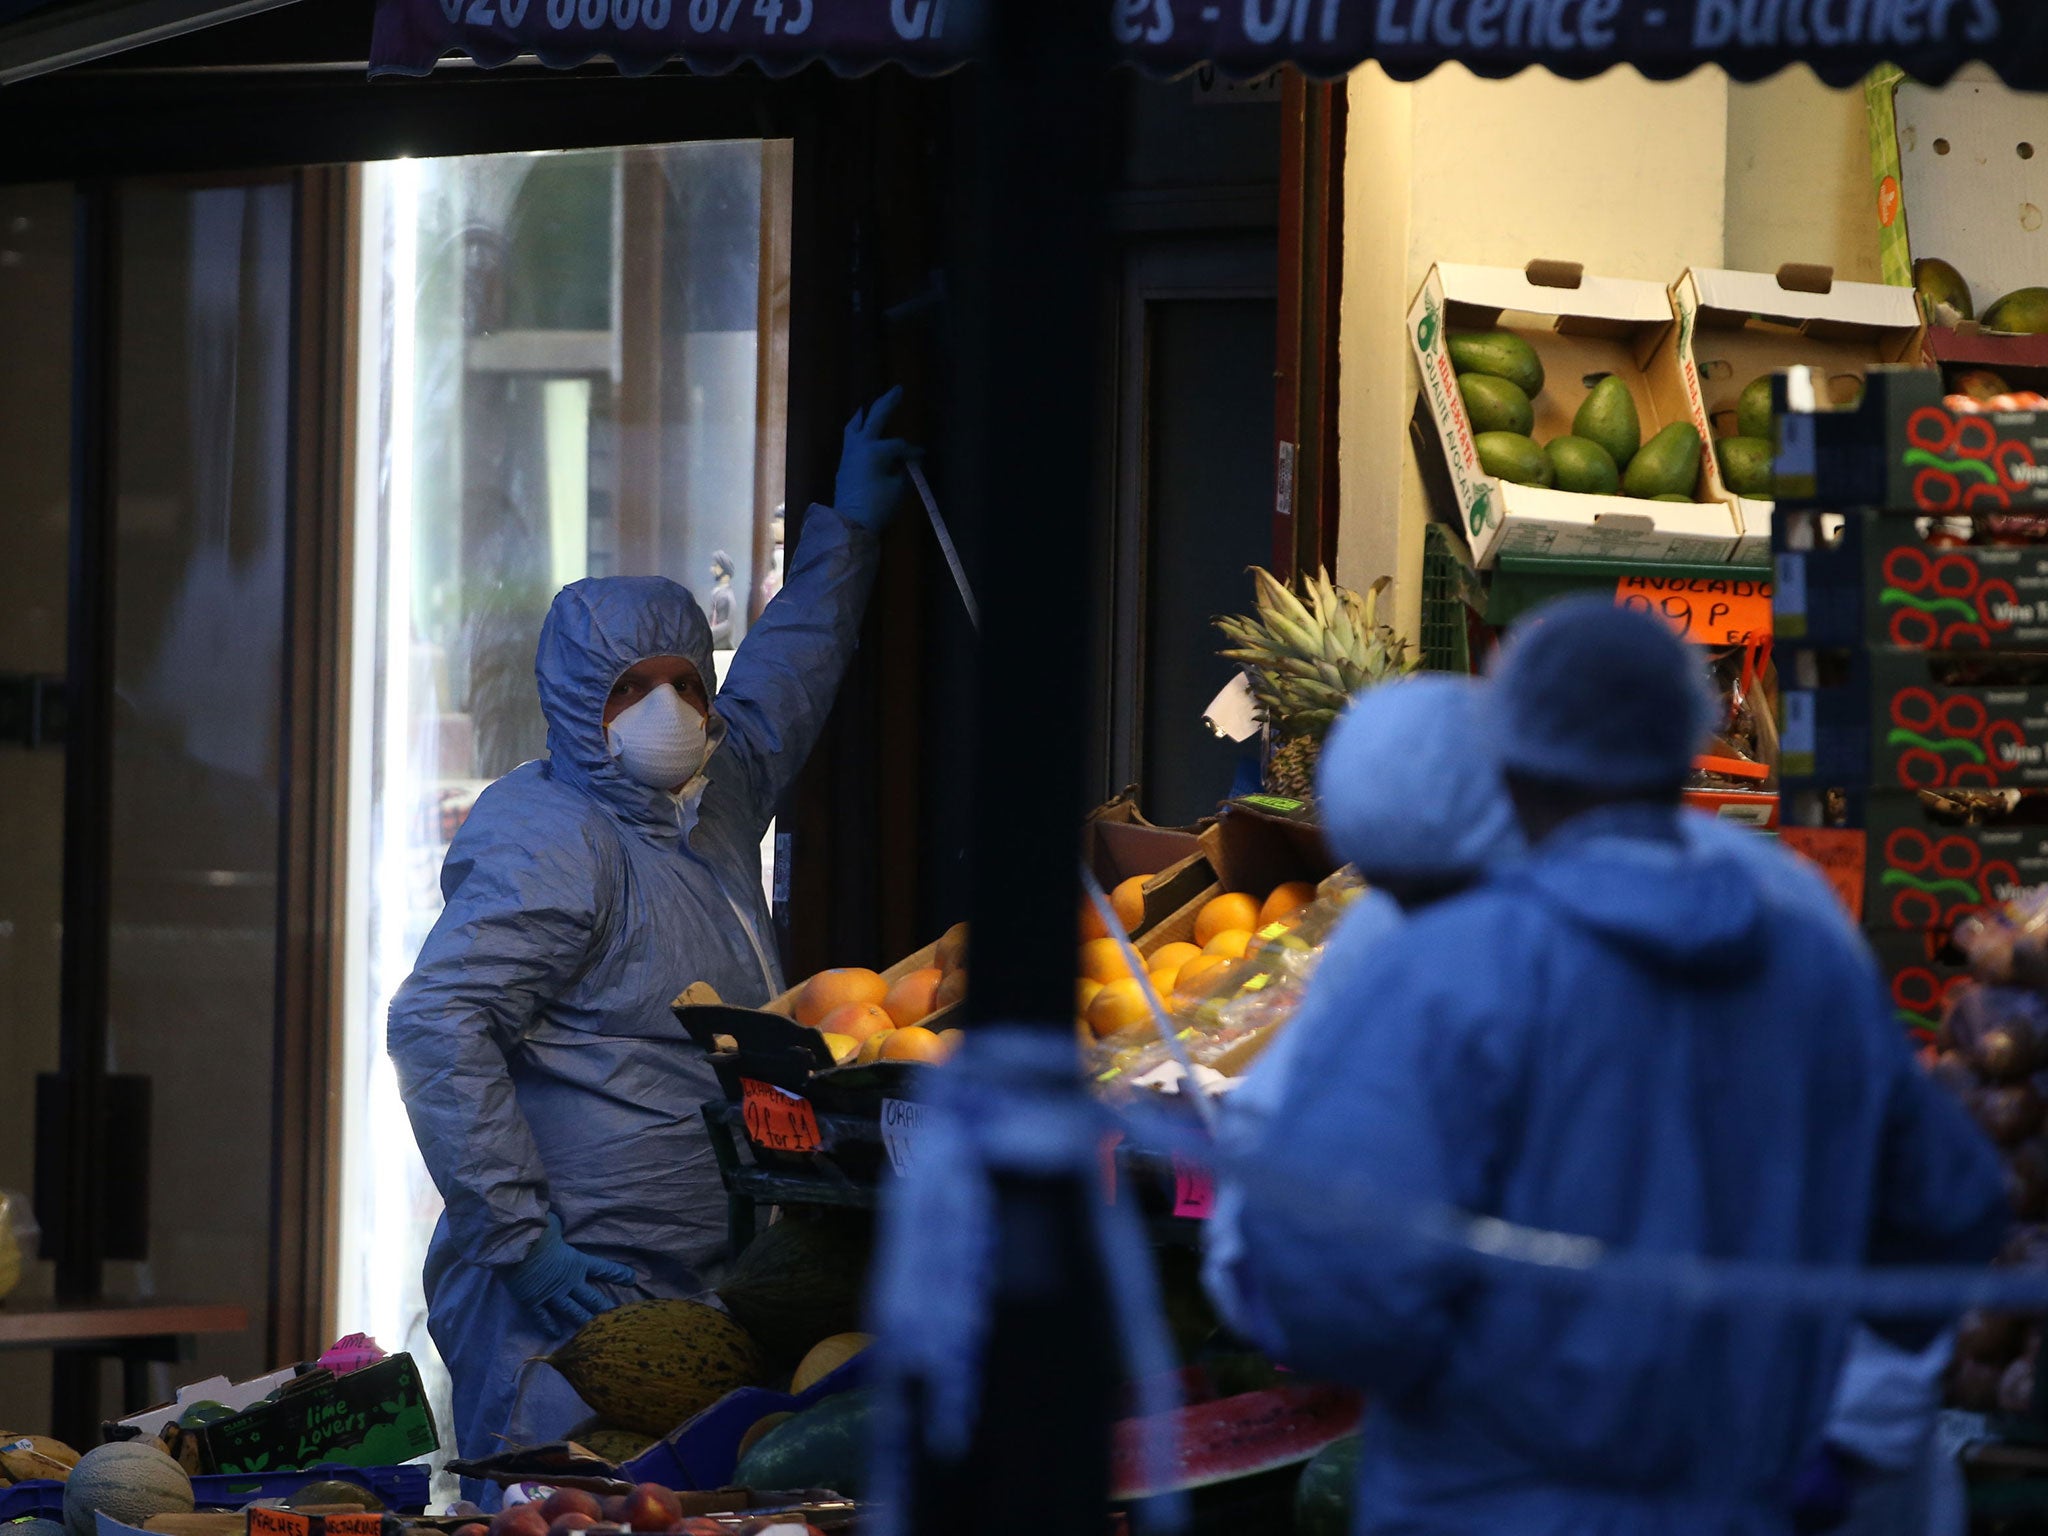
(1230, 1438)
(825, 1446)
(1323, 1497)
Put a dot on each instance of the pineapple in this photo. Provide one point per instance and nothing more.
(1305, 659)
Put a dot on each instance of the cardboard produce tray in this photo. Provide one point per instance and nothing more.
(1737, 326)
(1889, 718)
(1581, 327)
(1864, 579)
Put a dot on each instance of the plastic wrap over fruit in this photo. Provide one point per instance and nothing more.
(1229, 1023)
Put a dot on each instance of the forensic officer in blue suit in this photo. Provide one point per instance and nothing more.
(1625, 1035)
(553, 1093)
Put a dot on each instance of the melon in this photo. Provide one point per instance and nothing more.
(826, 1356)
(130, 1481)
(1327, 1490)
(1231, 1438)
(652, 1365)
(760, 1427)
(800, 1281)
(825, 1446)
(37, 1528)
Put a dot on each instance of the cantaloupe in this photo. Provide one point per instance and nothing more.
(130, 1481)
(650, 1365)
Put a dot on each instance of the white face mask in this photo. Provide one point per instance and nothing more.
(661, 741)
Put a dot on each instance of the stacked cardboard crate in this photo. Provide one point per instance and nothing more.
(1911, 615)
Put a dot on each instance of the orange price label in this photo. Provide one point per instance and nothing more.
(778, 1119)
(1710, 610)
(278, 1522)
(1888, 201)
(1840, 852)
(1194, 1189)
(352, 1525)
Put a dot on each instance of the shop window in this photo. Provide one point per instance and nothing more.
(568, 366)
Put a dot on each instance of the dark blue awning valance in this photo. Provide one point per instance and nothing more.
(1840, 39)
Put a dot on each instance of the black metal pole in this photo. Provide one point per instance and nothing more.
(1031, 396)
(80, 1087)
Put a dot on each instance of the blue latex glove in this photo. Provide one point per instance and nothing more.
(870, 480)
(553, 1282)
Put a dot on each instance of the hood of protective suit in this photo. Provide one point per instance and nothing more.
(594, 631)
(1628, 875)
(1408, 786)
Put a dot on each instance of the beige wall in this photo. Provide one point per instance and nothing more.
(1633, 178)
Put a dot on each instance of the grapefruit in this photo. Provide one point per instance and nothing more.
(1119, 1005)
(1103, 960)
(915, 1043)
(1286, 900)
(1233, 909)
(913, 997)
(836, 988)
(871, 1048)
(857, 1021)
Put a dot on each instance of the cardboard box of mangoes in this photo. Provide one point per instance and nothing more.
(1562, 411)
(1735, 329)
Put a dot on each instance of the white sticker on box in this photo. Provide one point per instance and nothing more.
(901, 1119)
(1799, 735)
(1789, 594)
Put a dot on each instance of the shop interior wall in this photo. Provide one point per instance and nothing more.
(1631, 177)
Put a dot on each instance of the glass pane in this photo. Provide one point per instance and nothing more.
(35, 515)
(558, 378)
(202, 450)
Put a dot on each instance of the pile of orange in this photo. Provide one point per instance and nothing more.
(866, 1017)
(1109, 997)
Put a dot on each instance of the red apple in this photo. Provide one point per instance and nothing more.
(474, 1528)
(612, 1508)
(572, 1501)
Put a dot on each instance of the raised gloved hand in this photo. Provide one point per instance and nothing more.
(870, 480)
(553, 1282)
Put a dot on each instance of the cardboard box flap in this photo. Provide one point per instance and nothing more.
(1844, 311)
(1629, 301)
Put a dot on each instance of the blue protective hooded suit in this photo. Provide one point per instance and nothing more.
(539, 1060)
(1636, 1035)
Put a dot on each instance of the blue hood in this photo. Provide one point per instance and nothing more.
(594, 631)
(1629, 875)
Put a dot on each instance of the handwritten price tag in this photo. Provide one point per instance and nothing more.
(1841, 853)
(778, 1119)
(1710, 610)
(901, 1120)
(1194, 1190)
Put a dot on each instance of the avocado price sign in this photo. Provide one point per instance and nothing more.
(1842, 40)
(1708, 610)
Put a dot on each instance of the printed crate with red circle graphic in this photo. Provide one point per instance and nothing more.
(1887, 718)
(1903, 449)
(1911, 583)
(1920, 969)
(1929, 860)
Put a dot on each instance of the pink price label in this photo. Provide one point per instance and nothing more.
(1194, 1190)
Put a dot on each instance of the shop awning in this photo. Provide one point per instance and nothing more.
(38, 37)
(1840, 39)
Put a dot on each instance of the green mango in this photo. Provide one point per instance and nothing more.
(1745, 465)
(1668, 465)
(2023, 312)
(1496, 405)
(1583, 465)
(1500, 355)
(1939, 283)
(1512, 456)
(1753, 409)
(1607, 416)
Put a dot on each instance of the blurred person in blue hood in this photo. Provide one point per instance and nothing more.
(1624, 1034)
(554, 1095)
